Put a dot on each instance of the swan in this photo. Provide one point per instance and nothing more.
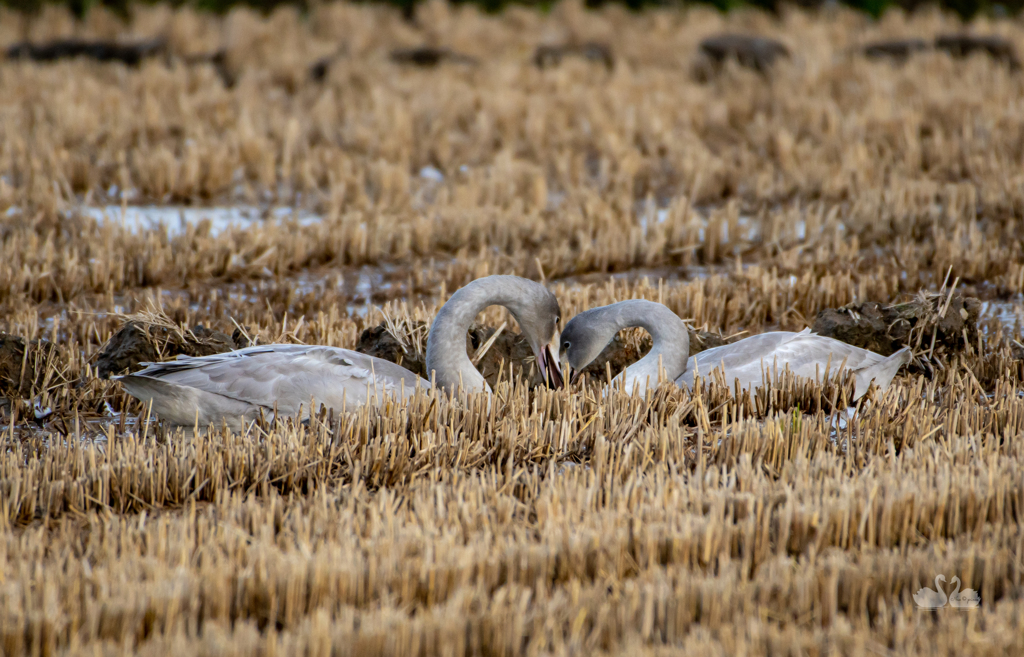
(805, 354)
(968, 598)
(236, 386)
(929, 598)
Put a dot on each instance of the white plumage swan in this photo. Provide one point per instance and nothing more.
(804, 354)
(235, 387)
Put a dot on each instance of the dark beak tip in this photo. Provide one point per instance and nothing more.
(552, 374)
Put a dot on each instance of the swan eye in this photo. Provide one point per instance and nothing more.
(565, 345)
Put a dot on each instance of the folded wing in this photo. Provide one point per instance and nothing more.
(284, 377)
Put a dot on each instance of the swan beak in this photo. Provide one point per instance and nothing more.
(574, 376)
(550, 369)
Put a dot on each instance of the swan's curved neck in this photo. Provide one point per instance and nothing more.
(671, 339)
(447, 359)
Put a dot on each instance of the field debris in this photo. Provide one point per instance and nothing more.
(897, 49)
(533, 521)
(937, 324)
(153, 338)
(549, 56)
(965, 44)
(756, 52)
(28, 366)
(130, 54)
(958, 45)
(429, 56)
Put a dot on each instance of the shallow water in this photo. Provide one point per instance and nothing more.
(1010, 314)
(176, 219)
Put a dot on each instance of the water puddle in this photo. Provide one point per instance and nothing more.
(1009, 314)
(176, 219)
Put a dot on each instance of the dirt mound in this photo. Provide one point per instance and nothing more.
(378, 341)
(950, 323)
(548, 56)
(103, 51)
(898, 49)
(758, 53)
(25, 366)
(964, 45)
(140, 342)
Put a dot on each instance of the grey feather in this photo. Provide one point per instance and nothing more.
(804, 354)
(238, 386)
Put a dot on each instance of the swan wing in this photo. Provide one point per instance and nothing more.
(282, 376)
(804, 354)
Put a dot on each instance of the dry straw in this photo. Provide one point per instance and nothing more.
(540, 522)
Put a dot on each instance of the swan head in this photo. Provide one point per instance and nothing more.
(538, 314)
(585, 337)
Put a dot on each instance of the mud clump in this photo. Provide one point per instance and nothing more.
(27, 365)
(953, 322)
(377, 341)
(898, 50)
(758, 53)
(130, 54)
(549, 56)
(138, 342)
(429, 57)
(964, 45)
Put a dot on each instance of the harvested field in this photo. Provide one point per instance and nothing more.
(332, 178)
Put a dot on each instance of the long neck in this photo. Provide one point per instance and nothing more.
(446, 344)
(671, 342)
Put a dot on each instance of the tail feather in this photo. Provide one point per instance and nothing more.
(182, 405)
(881, 372)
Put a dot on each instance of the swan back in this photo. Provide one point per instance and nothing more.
(281, 377)
(805, 355)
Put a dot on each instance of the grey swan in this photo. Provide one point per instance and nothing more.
(238, 386)
(806, 354)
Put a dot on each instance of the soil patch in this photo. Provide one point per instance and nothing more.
(758, 53)
(27, 366)
(948, 323)
(141, 342)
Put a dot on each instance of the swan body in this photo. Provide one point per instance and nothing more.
(748, 361)
(281, 379)
(966, 599)
(805, 355)
(931, 598)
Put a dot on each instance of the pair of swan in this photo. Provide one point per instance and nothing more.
(747, 361)
(935, 598)
(279, 379)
